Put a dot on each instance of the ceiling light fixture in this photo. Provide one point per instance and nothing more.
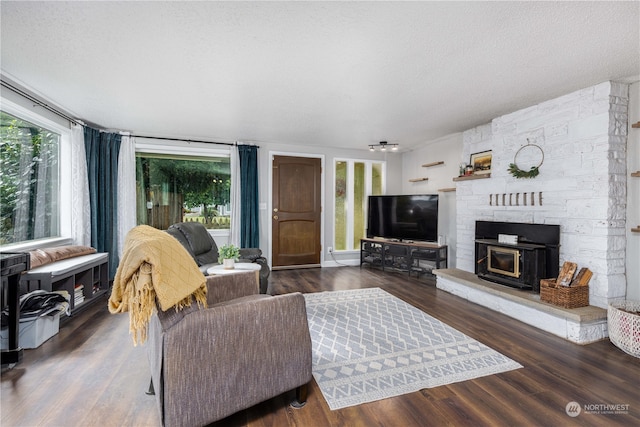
(383, 146)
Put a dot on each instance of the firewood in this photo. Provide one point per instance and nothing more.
(582, 278)
(566, 274)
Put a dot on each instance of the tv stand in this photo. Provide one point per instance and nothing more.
(403, 256)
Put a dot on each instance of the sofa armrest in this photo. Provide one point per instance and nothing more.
(226, 287)
(242, 353)
(250, 253)
(263, 262)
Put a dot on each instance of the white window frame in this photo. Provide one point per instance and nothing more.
(64, 181)
(349, 199)
(187, 149)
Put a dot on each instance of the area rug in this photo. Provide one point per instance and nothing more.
(369, 345)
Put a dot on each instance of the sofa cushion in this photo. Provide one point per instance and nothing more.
(202, 244)
(180, 237)
(210, 257)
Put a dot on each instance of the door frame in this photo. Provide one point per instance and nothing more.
(272, 154)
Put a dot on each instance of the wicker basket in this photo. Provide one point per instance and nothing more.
(547, 290)
(563, 296)
(624, 327)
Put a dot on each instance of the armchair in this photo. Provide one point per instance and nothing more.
(201, 246)
(244, 349)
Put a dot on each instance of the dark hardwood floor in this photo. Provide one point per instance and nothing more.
(91, 374)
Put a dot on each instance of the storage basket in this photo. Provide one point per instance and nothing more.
(547, 290)
(624, 326)
(33, 332)
(563, 296)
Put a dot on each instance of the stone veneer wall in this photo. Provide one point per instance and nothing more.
(582, 181)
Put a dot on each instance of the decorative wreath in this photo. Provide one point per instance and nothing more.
(531, 173)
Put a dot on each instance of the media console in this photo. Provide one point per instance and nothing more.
(403, 256)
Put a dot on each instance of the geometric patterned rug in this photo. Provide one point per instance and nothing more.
(369, 345)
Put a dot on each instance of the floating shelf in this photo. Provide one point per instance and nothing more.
(470, 177)
(428, 165)
(635, 174)
(636, 125)
(636, 230)
(418, 179)
(447, 190)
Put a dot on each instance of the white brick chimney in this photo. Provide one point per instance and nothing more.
(582, 181)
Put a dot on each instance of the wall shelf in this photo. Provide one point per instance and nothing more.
(447, 190)
(471, 177)
(418, 179)
(428, 165)
(636, 174)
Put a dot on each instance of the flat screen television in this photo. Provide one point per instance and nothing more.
(403, 217)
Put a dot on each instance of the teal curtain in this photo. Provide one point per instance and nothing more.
(102, 150)
(249, 223)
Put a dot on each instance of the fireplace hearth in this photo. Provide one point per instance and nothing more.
(517, 254)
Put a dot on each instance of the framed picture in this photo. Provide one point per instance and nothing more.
(481, 163)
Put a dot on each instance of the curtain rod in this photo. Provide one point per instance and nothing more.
(188, 140)
(77, 122)
(40, 103)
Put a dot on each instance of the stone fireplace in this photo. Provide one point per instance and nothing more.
(581, 186)
(516, 254)
(581, 189)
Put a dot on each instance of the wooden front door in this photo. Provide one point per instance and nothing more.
(296, 210)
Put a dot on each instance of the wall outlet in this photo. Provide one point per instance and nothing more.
(330, 249)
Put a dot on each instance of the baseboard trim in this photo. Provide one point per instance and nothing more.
(294, 267)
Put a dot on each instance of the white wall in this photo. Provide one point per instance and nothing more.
(582, 181)
(265, 156)
(447, 149)
(633, 196)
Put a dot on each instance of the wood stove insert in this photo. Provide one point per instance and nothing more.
(521, 264)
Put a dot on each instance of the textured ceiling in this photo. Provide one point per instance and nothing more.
(339, 74)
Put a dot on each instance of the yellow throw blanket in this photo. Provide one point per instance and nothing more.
(154, 265)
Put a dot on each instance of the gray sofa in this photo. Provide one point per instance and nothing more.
(244, 349)
(201, 246)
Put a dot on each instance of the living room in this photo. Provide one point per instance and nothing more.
(580, 120)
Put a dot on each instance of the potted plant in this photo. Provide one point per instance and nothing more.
(227, 255)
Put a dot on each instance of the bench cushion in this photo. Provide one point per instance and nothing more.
(66, 265)
(46, 256)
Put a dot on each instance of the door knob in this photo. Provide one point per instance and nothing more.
(275, 217)
(275, 209)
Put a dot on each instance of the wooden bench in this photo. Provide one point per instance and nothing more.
(85, 277)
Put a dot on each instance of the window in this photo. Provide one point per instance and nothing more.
(171, 188)
(355, 180)
(29, 180)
